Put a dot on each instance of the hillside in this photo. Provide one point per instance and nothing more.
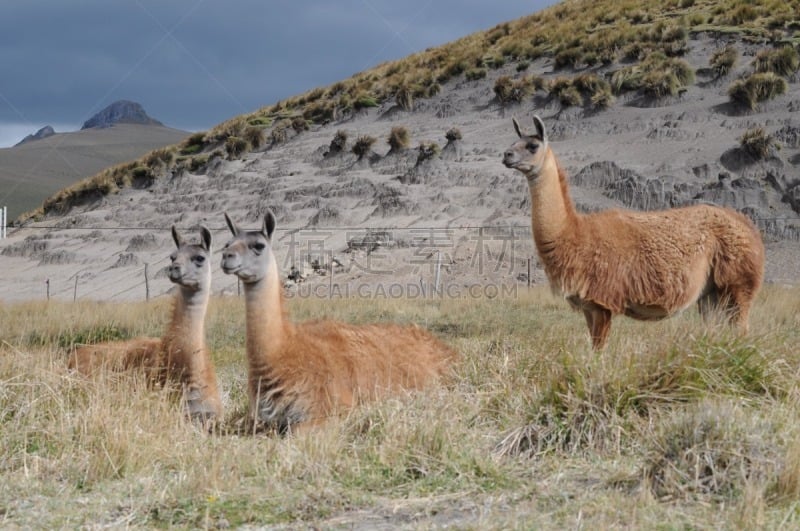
(643, 115)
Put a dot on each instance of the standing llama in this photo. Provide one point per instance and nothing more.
(300, 374)
(181, 354)
(646, 265)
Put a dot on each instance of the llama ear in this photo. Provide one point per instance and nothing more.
(231, 225)
(516, 127)
(205, 238)
(269, 224)
(176, 237)
(540, 130)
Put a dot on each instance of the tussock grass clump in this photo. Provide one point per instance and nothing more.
(756, 143)
(338, 143)
(279, 133)
(723, 60)
(159, 157)
(405, 97)
(584, 89)
(509, 90)
(475, 74)
(657, 76)
(299, 124)
(254, 136)
(783, 61)
(427, 151)
(714, 449)
(235, 146)
(363, 146)
(399, 139)
(756, 88)
(193, 144)
(453, 134)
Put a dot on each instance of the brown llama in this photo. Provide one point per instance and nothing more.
(300, 374)
(180, 355)
(646, 265)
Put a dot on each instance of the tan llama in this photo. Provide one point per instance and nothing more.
(300, 374)
(646, 265)
(181, 354)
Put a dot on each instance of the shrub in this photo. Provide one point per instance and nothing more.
(363, 146)
(475, 74)
(399, 138)
(198, 162)
(254, 136)
(570, 96)
(364, 101)
(427, 151)
(158, 157)
(756, 143)
(299, 124)
(278, 134)
(571, 57)
(339, 142)
(235, 146)
(502, 88)
(405, 97)
(522, 66)
(194, 144)
(723, 60)
(756, 88)
(783, 61)
(453, 134)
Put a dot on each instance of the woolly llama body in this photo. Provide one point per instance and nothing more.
(646, 265)
(300, 374)
(180, 355)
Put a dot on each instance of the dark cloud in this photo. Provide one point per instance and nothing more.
(195, 63)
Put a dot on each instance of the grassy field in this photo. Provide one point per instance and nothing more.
(677, 424)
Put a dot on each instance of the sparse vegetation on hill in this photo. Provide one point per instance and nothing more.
(755, 88)
(577, 35)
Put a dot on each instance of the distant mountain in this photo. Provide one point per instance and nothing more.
(32, 171)
(44, 132)
(120, 112)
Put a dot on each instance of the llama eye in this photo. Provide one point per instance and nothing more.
(199, 259)
(530, 146)
(258, 247)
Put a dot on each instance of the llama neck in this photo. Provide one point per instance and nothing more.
(552, 211)
(265, 321)
(186, 332)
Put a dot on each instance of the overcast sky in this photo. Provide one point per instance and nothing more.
(195, 63)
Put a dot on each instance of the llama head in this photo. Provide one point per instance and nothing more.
(248, 255)
(190, 265)
(528, 153)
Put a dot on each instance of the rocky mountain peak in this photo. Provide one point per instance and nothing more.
(122, 111)
(44, 132)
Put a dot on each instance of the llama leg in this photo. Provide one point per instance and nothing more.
(599, 321)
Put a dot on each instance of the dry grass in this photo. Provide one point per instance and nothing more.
(675, 424)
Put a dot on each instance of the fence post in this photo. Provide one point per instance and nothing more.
(330, 278)
(437, 272)
(146, 283)
(75, 289)
(3, 222)
(529, 273)
(48, 288)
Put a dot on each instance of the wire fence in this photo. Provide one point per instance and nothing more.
(328, 261)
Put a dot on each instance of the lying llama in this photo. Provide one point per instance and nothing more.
(646, 265)
(300, 374)
(181, 354)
